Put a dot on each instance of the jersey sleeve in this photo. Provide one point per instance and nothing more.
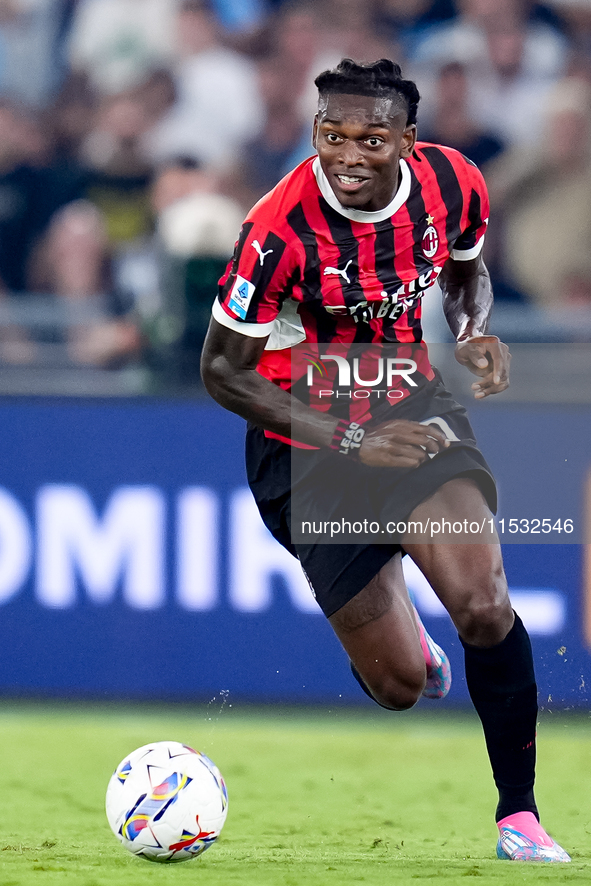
(256, 282)
(470, 242)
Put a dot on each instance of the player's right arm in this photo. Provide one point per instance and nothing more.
(229, 369)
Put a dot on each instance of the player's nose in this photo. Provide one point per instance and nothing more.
(351, 154)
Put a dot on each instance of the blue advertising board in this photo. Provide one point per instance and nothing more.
(133, 562)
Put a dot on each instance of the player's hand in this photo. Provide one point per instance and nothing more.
(401, 444)
(488, 357)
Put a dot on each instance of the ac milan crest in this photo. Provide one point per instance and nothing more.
(430, 241)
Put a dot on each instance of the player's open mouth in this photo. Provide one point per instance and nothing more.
(350, 182)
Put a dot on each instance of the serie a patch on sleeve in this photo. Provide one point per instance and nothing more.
(240, 296)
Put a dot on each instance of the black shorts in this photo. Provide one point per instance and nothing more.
(285, 480)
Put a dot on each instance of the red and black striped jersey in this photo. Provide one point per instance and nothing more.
(307, 269)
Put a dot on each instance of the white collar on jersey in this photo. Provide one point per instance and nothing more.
(358, 215)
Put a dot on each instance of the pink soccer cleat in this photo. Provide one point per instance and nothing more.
(438, 667)
(522, 838)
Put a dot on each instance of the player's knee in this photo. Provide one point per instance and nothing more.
(399, 694)
(487, 618)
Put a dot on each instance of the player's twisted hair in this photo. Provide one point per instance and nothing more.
(381, 78)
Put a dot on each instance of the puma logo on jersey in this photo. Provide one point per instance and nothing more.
(339, 273)
(258, 248)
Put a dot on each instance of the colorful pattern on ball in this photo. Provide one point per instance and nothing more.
(123, 771)
(154, 806)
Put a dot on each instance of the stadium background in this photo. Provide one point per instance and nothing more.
(134, 135)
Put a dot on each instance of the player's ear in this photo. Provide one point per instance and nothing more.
(315, 132)
(409, 138)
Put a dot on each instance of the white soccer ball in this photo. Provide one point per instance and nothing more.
(166, 802)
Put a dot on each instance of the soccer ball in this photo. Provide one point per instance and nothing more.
(167, 802)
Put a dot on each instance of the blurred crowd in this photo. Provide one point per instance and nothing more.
(135, 134)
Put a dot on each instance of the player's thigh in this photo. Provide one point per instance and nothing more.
(465, 569)
(377, 629)
(456, 512)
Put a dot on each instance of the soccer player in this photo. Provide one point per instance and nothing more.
(339, 253)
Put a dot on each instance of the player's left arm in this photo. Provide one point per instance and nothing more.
(467, 305)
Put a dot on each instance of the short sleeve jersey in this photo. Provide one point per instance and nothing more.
(307, 269)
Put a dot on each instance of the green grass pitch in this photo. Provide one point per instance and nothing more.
(316, 797)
